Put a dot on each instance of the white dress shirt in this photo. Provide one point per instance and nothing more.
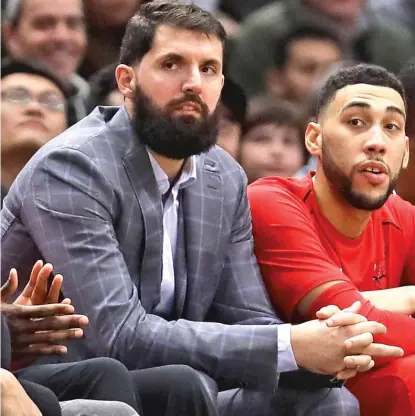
(286, 360)
(170, 225)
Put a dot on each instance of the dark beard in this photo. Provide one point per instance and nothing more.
(174, 137)
(344, 185)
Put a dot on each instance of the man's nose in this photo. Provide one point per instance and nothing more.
(376, 142)
(193, 81)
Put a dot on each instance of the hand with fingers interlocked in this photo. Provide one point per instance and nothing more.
(39, 325)
(342, 340)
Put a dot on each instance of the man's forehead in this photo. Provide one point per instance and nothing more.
(32, 82)
(171, 39)
(51, 7)
(374, 95)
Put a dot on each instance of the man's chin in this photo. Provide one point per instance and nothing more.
(370, 201)
(188, 118)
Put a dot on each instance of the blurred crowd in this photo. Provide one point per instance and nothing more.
(278, 53)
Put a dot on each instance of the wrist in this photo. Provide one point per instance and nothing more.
(298, 345)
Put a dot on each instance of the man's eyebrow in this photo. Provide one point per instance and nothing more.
(213, 61)
(367, 106)
(359, 104)
(394, 109)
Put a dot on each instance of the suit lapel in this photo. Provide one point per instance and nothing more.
(143, 182)
(199, 235)
(180, 266)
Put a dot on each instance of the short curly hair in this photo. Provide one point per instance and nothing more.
(357, 74)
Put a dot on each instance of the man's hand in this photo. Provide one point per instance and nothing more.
(36, 291)
(342, 345)
(397, 299)
(14, 400)
(38, 325)
(41, 329)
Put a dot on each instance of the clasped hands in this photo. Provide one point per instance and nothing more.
(339, 343)
(38, 324)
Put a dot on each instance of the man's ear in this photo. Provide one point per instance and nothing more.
(10, 39)
(313, 138)
(274, 82)
(405, 161)
(125, 77)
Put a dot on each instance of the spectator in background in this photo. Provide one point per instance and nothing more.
(33, 111)
(104, 89)
(231, 112)
(301, 57)
(239, 10)
(370, 38)
(406, 184)
(106, 21)
(403, 11)
(52, 32)
(272, 141)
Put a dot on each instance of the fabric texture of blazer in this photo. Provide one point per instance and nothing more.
(88, 203)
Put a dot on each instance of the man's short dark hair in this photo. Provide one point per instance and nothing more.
(12, 66)
(101, 84)
(358, 74)
(141, 29)
(300, 32)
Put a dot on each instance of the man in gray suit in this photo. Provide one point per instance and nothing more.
(150, 225)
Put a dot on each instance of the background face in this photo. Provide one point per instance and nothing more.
(27, 127)
(51, 31)
(271, 149)
(307, 61)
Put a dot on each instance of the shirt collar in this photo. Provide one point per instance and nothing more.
(187, 177)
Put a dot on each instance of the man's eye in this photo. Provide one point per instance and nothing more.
(209, 70)
(355, 122)
(170, 65)
(393, 127)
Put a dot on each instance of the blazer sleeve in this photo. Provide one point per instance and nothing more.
(69, 210)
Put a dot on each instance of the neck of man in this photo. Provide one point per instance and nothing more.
(348, 220)
(171, 167)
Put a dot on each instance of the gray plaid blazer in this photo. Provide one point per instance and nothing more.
(88, 203)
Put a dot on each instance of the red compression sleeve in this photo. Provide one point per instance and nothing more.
(400, 328)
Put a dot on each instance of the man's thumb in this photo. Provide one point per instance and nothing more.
(10, 287)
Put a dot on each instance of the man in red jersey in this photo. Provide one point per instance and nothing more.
(340, 234)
